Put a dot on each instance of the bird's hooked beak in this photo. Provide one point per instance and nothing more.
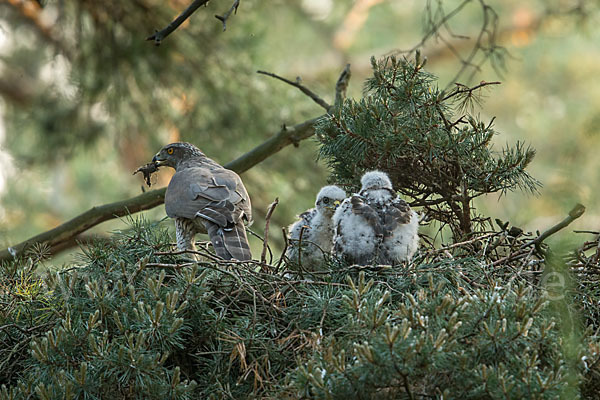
(334, 205)
(157, 160)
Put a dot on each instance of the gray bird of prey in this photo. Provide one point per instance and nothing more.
(375, 225)
(203, 194)
(314, 229)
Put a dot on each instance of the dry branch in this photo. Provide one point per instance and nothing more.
(300, 86)
(575, 213)
(159, 36)
(223, 18)
(70, 229)
(341, 85)
(287, 135)
(66, 233)
(55, 238)
(263, 255)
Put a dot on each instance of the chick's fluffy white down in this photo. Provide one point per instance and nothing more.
(353, 237)
(375, 225)
(313, 232)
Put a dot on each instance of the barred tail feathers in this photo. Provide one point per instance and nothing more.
(229, 244)
(236, 242)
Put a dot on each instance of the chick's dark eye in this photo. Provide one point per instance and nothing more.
(326, 200)
(170, 151)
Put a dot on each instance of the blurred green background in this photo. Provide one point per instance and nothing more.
(85, 100)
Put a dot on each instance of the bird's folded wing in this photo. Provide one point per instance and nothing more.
(300, 226)
(397, 213)
(221, 213)
(370, 215)
(197, 191)
(307, 216)
(210, 191)
(237, 192)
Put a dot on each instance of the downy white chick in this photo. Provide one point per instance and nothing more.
(375, 225)
(314, 229)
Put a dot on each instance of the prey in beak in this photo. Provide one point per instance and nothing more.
(147, 170)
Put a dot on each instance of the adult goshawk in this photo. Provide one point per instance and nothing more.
(203, 193)
(375, 225)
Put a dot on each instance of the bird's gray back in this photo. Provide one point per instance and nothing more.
(197, 188)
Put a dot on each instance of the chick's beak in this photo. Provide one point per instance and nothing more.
(334, 205)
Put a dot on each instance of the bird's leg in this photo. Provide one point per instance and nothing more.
(185, 232)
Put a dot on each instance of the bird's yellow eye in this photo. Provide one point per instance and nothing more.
(170, 151)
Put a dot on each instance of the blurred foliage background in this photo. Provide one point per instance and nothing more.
(85, 100)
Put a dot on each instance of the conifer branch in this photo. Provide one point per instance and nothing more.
(468, 91)
(407, 129)
(28, 330)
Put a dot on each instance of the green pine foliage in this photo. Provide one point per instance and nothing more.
(478, 319)
(484, 344)
(104, 329)
(135, 319)
(435, 152)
